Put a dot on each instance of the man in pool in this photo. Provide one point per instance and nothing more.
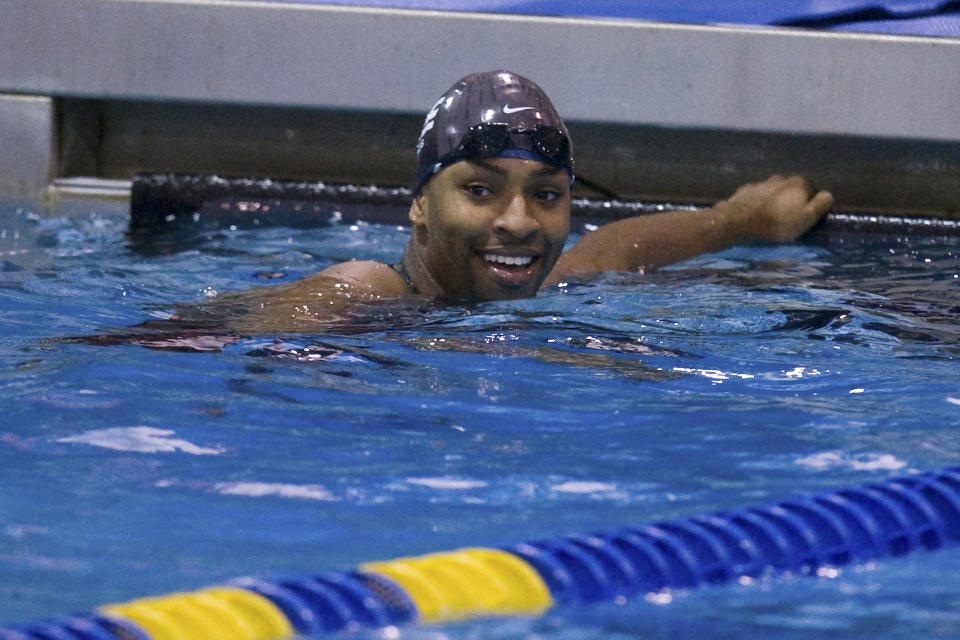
(491, 209)
(491, 215)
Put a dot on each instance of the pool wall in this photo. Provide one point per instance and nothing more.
(26, 155)
(107, 88)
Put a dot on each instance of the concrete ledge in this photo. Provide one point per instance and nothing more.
(26, 152)
(597, 70)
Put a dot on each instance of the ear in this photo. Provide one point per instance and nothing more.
(419, 208)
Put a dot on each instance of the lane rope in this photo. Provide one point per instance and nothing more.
(801, 534)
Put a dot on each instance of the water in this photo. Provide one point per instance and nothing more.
(728, 380)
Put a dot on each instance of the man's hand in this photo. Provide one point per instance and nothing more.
(779, 209)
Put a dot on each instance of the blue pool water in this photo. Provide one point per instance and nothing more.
(728, 380)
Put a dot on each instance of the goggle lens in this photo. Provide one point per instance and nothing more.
(551, 143)
(487, 140)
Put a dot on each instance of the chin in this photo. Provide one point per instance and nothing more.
(508, 294)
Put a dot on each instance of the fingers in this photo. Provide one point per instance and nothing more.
(804, 184)
(820, 203)
(793, 207)
(780, 208)
(796, 182)
(791, 227)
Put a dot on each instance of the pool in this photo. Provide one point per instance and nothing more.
(728, 380)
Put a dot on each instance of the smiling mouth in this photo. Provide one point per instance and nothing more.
(512, 272)
(508, 261)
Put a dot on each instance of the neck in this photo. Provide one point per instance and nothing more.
(422, 280)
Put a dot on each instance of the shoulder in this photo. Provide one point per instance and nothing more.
(372, 278)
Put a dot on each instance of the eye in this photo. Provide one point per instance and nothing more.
(478, 190)
(548, 195)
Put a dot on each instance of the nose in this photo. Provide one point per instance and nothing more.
(516, 221)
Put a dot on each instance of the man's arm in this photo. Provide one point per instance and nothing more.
(778, 209)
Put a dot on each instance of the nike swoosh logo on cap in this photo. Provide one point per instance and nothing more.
(507, 109)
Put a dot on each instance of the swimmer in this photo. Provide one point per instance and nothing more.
(491, 209)
(491, 215)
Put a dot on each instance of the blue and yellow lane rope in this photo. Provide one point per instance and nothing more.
(799, 534)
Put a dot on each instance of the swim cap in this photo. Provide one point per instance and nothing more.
(492, 114)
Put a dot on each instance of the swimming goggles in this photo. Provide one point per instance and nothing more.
(492, 139)
(486, 140)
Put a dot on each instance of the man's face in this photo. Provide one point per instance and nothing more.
(492, 229)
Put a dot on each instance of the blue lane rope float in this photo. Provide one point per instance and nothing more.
(800, 534)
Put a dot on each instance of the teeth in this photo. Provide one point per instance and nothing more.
(513, 261)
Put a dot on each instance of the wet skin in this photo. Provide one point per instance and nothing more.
(488, 229)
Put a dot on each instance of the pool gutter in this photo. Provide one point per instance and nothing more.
(108, 88)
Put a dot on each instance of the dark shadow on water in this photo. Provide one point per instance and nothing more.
(417, 324)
